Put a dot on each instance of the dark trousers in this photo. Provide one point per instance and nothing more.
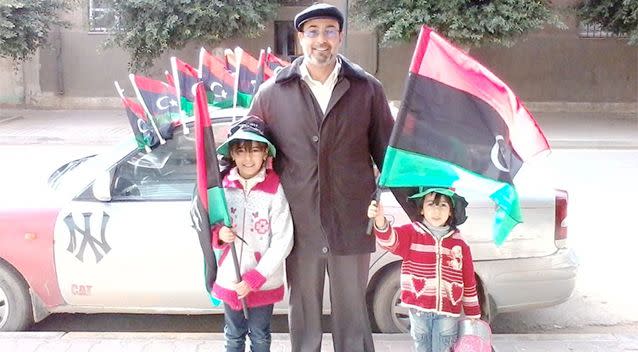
(257, 327)
(348, 276)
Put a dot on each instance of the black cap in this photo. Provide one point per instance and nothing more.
(318, 10)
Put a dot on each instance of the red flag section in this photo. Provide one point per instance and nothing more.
(439, 60)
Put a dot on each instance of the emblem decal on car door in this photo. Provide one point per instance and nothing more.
(97, 246)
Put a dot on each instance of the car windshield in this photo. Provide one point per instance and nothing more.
(62, 170)
(74, 177)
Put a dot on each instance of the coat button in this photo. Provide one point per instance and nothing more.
(324, 250)
(315, 139)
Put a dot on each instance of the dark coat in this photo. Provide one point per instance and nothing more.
(326, 162)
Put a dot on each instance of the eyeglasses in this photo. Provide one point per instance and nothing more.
(330, 33)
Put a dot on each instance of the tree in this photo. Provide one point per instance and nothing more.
(614, 16)
(25, 25)
(466, 22)
(147, 28)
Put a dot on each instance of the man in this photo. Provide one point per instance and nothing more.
(329, 120)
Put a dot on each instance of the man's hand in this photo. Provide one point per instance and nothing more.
(242, 289)
(226, 235)
(375, 211)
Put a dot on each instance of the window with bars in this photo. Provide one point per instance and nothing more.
(101, 16)
(587, 30)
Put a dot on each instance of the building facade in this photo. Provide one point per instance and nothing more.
(553, 66)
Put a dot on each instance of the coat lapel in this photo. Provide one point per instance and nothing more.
(339, 91)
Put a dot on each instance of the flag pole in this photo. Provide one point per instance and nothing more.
(377, 198)
(233, 251)
(201, 58)
(131, 77)
(120, 92)
(238, 54)
(178, 91)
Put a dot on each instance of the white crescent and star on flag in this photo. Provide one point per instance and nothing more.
(223, 93)
(162, 105)
(495, 153)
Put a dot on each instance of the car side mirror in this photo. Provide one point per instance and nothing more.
(102, 187)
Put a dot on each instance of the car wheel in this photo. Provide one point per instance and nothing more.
(389, 315)
(15, 303)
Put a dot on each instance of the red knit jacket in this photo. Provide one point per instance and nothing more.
(437, 275)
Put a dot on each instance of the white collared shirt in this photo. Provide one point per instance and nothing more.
(321, 91)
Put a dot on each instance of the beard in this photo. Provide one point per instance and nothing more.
(323, 59)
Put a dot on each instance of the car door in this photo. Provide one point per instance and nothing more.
(137, 252)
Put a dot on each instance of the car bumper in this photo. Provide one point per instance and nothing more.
(519, 284)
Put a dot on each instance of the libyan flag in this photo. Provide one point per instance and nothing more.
(209, 203)
(219, 82)
(185, 79)
(460, 126)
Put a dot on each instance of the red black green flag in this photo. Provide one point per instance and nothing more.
(209, 203)
(245, 74)
(185, 80)
(218, 80)
(274, 63)
(268, 66)
(145, 137)
(460, 126)
(159, 101)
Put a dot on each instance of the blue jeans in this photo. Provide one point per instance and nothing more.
(433, 332)
(257, 327)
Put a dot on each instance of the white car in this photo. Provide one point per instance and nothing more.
(115, 235)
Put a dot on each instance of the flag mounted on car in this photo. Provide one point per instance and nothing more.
(186, 79)
(245, 68)
(460, 126)
(209, 203)
(273, 63)
(159, 100)
(145, 137)
(268, 66)
(218, 80)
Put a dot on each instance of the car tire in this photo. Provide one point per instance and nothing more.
(388, 314)
(15, 303)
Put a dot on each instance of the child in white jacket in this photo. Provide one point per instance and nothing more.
(261, 219)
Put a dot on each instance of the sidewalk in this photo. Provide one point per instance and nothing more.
(562, 129)
(186, 342)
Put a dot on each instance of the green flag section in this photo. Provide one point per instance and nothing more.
(460, 126)
(408, 168)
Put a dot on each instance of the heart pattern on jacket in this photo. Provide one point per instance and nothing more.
(456, 293)
(419, 285)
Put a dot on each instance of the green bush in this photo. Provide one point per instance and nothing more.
(615, 16)
(25, 25)
(147, 28)
(465, 22)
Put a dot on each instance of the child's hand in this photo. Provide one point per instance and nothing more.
(375, 211)
(226, 235)
(242, 289)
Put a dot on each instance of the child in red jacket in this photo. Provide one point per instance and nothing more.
(437, 274)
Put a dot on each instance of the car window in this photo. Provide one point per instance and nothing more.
(165, 173)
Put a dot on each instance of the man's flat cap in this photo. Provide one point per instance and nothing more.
(318, 10)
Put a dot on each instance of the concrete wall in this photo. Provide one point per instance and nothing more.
(549, 66)
(11, 83)
(552, 65)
